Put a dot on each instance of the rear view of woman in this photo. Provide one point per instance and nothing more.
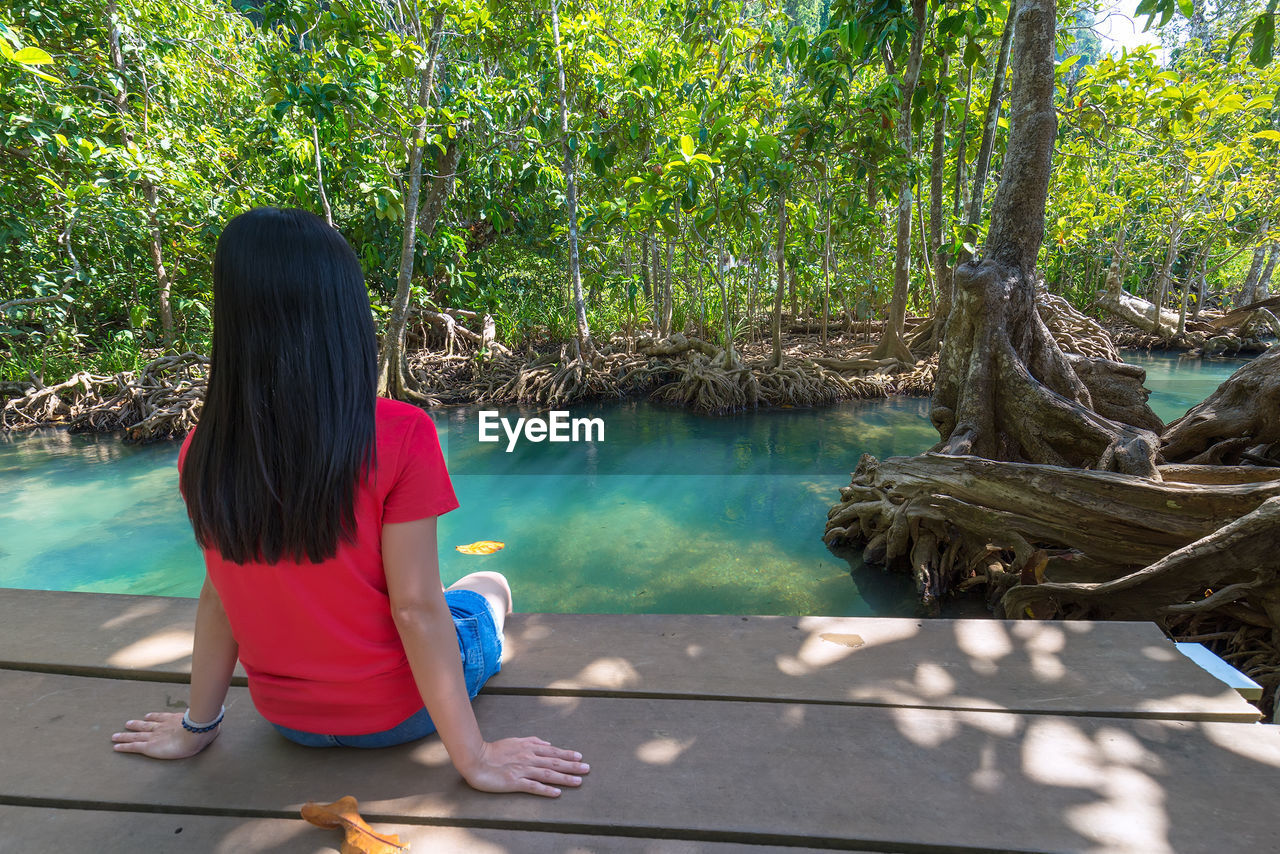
(315, 504)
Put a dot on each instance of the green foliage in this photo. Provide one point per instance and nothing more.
(689, 121)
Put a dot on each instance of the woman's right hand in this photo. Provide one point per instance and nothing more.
(525, 765)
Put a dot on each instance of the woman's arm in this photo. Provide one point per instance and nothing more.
(426, 628)
(161, 735)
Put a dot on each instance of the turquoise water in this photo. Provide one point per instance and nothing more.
(1178, 383)
(671, 513)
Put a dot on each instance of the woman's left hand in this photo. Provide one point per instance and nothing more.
(161, 735)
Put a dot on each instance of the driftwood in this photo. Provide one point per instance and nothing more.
(1235, 332)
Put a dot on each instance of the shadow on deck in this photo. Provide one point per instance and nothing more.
(705, 734)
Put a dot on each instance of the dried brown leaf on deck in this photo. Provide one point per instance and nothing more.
(360, 838)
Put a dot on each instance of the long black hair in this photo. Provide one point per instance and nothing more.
(287, 429)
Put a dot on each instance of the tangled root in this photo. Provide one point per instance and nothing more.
(161, 401)
(551, 380)
(919, 380)
(1075, 332)
(709, 389)
(703, 386)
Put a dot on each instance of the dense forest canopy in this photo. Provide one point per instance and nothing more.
(725, 160)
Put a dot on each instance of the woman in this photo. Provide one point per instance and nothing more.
(315, 504)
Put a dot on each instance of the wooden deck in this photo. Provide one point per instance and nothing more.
(705, 734)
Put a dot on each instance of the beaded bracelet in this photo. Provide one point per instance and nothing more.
(190, 726)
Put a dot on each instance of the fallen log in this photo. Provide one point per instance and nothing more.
(1238, 317)
(1138, 312)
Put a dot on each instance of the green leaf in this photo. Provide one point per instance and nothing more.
(972, 54)
(1068, 62)
(686, 145)
(1264, 37)
(32, 56)
(44, 76)
(1273, 135)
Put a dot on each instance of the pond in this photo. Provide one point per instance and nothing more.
(671, 513)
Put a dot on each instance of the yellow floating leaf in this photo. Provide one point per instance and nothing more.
(360, 837)
(481, 547)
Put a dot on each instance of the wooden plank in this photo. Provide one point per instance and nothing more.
(45, 829)
(733, 772)
(1097, 668)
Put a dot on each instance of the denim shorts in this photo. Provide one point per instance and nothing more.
(480, 646)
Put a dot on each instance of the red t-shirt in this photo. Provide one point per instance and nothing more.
(317, 641)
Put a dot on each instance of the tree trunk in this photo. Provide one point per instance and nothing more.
(666, 282)
(1198, 24)
(826, 254)
(1246, 293)
(983, 163)
(941, 268)
(962, 144)
(891, 344)
(149, 190)
(1162, 282)
(655, 269)
(1005, 390)
(780, 250)
(1202, 289)
(393, 375)
(1264, 280)
(324, 197)
(1186, 292)
(585, 345)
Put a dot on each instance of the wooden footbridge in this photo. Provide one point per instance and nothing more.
(711, 734)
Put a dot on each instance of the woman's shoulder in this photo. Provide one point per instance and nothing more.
(398, 410)
(396, 419)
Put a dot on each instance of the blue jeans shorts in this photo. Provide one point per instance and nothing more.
(480, 645)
